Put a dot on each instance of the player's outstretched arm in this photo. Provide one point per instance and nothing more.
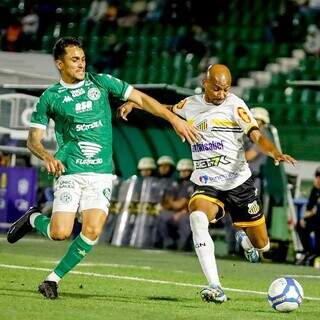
(270, 149)
(53, 166)
(145, 102)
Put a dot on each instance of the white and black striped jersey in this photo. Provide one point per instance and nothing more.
(219, 158)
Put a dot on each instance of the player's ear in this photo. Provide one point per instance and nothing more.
(59, 64)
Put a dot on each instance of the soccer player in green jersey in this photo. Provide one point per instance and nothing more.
(79, 105)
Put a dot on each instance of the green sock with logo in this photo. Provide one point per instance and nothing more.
(77, 251)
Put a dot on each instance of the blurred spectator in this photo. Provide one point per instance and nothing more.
(310, 223)
(146, 167)
(166, 167)
(98, 11)
(312, 43)
(255, 157)
(173, 223)
(13, 37)
(30, 26)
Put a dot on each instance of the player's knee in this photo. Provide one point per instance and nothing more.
(59, 235)
(91, 232)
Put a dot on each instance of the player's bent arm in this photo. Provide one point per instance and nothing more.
(269, 148)
(34, 143)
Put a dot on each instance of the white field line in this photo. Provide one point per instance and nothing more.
(111, 265)
(310, 276)
(111, 276)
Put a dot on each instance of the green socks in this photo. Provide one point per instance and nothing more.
(41, 223)
(77, 251)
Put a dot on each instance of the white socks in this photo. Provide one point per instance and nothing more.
(53, 277)
(204, 246)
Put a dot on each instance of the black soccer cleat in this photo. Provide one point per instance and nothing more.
(21, 227)
(49, 289)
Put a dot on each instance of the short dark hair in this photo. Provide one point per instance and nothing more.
(317, 173)
(60, 46)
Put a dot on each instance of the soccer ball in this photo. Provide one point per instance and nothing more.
(285, 294)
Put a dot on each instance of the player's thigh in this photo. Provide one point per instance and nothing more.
(61, 224)
(96, 193)
(258, 235)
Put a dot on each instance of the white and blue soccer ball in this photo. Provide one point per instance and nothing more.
(285, 294)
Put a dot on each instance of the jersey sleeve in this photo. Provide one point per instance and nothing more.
(179, 108)
(40, 116)
(115, 86)
(244, 118)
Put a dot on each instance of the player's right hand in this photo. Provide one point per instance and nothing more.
(54, 166)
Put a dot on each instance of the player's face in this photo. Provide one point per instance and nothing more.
(73, 65)
(216, 91)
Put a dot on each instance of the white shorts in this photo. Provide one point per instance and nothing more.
(82, 191)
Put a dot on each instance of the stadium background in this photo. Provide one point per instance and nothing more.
(163, 47)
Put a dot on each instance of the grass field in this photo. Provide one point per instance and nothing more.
(123, 283)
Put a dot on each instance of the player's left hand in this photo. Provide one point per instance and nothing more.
(284, 158)
(185, 130)
(125, 109)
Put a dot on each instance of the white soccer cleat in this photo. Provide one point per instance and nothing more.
(251, 254)
(213, 294)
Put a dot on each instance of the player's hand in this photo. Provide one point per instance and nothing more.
(185, 130)
(125, 109)
(54, 166)
(302, 223)
(284, 158)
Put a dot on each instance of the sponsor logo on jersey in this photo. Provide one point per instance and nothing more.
(222, 177)
(243, 115)
(202, 126)
(253, 207)
(83, 106)
(210, 146)
(89, 126)
(77, 92)
(210, 162)
(67, 99)
(94, 94)
(89, 150)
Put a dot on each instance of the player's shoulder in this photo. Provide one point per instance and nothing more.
(51, 91)
(234, 99)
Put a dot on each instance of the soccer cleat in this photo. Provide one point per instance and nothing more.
(21, 227)
(49, 289)
(251, 254)
(213, 294)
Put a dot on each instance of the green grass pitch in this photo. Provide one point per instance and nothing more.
(125, 283)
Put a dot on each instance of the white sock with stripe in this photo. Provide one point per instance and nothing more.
(204, 246)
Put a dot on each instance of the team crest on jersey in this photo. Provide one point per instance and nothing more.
(94, 93)
(203, 125)
(243, 115)
(253, 207)
(67, 99)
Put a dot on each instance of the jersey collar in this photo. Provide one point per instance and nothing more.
(71, 86)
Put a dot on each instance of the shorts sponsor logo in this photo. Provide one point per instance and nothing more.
(77, 92)
(210, 162)
(94, 94)
(222, 177)
(65, 197)
(89, 126)
(107, 193)
(253, 207)
(83, 106)
(65, 184)
(210, 146)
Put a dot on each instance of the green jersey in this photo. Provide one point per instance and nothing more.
(82, 117)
